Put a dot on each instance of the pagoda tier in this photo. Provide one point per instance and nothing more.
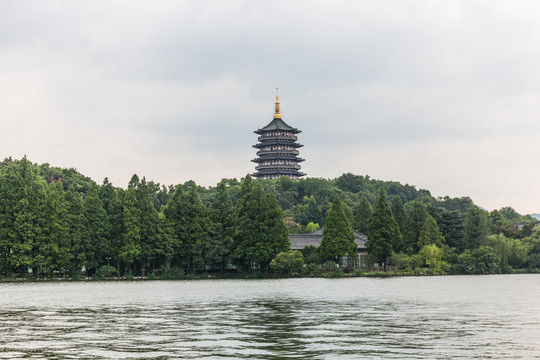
(277, 154)
(277, 157)
(277, 143)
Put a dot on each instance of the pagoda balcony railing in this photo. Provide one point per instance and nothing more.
(278, 167)
(286, 152)
(290, 157)
(278, 137)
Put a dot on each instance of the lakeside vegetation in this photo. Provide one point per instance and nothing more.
(57, 222)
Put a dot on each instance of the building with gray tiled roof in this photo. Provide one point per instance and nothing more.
(300, 241)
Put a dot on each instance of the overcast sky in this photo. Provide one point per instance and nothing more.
(443, 95)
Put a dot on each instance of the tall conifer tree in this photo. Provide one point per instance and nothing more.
(414, 225)
(430, 234)
(383, 231)
(188, 218)
(130, 246)
(97, 229)
(148, 220)
(23, 218)
(195, 224)
(79, 244)
(260, 233)
(399, 213)
(222, 216)
(338, 237)
(171, 251)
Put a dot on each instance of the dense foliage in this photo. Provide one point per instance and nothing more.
(57, 222)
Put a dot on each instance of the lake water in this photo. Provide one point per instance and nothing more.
(453, 317)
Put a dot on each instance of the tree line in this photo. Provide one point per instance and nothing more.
(430, 237)
(56, 221)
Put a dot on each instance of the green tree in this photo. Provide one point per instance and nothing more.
(222, 217)
(54, 251)
(399, 213)
(113, 199)
(533, 246)
(500, 245)
(191, 228)
(165, 244)
(260, 233)
(338, 237)
(308, 211)
(97, 229)
(362, 215)
(79, 243)
(512, 252)
(311, 227)
(482, 260)
(497, 221)
(130, 246)
(383, 231)
(23, 217)
(510, 214)
(145, 193)
(451, 227)
(432, 256)
(476, 228)
(430, 234)
(415, 223)
(172, 228)
(311, 255)
(518, 253)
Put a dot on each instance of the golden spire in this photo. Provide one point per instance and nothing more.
(277, 115)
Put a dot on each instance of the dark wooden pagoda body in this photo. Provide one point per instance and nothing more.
(277, 150)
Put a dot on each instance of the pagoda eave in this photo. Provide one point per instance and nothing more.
(280, 173)
(267, 157)
(275, 143)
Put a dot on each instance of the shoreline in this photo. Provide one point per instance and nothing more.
(252, 276)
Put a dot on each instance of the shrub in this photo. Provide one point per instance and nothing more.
(254, 275)
(313, 270)
(337, 274)
(106, 271)
(152, 276)
(329, 266)
(358, 272)
(173, 274)
(311, 254)
(479, 261)
(398, 260)
(288, 262)
(190, 276)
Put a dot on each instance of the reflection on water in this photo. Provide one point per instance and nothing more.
(418, 318)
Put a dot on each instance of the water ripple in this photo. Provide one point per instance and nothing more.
(411, 318)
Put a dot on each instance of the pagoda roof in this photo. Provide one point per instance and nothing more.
(277, 124)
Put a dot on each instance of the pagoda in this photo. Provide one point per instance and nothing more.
(278, 149)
